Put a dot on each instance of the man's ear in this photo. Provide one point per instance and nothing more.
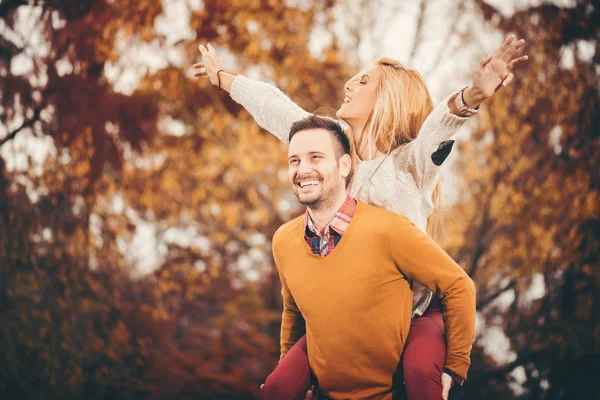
(345, 164)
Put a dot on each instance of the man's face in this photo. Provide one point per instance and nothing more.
(313, 169)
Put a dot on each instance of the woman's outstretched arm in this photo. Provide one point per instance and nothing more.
(270, 107)
(433, 143)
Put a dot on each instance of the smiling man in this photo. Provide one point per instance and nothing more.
(346, 270)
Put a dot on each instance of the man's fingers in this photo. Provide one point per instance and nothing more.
(445, 391)
(198, 65)
(516, 61)
(197, 74)
(446, 385)
(309, 393)
(212, 49)
(202, 49)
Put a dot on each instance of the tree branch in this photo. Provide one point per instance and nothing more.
(481, 234)
(446, 49)
(418, 31)
(26, 124)
(483, 303)
(501, 372)
(488, 11)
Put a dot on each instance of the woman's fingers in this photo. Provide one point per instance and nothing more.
(210, 62)
(200, 70)
(504, 46)
(486, 60)
(508, 79)
(516, 61)
(212, 50)
(512, 49)
(520, 44)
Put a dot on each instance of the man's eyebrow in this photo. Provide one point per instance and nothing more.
(310, 153)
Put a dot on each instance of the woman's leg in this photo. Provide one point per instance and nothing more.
(291, 377)
(425, 355)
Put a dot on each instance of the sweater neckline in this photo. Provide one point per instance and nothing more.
(372, 160)
(338, 248)
(382, 157)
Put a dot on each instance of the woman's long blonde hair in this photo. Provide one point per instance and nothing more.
(402, 104)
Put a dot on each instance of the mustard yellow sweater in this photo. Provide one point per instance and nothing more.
(357, 301)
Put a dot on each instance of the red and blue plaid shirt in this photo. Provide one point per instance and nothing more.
(324, 245)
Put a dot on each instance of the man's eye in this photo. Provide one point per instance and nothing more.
(292, 162)
(315, 157)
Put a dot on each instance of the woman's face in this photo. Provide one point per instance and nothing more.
(359, 98)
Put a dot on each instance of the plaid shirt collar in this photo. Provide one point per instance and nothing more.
(336, 227)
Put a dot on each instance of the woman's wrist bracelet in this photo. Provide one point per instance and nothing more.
(462, 107)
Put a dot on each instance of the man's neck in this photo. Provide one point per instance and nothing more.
(321, 216)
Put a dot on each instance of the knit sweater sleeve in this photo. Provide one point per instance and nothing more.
(293, 326)
(271, 109)
(421, 259)
(439, 127)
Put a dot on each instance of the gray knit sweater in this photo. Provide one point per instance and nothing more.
(402, 182)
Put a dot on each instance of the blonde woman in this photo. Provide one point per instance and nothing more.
(401, 141)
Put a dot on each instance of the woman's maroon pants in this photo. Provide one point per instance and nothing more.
(422, 361)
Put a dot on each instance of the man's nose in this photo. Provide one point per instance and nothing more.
(304, 168)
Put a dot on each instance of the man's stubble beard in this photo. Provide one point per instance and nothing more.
(323, 201)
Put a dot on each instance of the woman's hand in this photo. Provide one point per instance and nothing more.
(494, 72)
(210, 64)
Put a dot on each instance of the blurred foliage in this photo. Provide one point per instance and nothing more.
(530, 207)
(77, 321)
(80, 321)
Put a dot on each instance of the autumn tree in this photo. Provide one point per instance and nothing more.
(79, 320)
(135, 257)
(529, 209)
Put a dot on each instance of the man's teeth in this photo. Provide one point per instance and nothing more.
(308, 183)
(347, 99)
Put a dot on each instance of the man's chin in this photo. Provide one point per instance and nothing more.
(308, 200)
